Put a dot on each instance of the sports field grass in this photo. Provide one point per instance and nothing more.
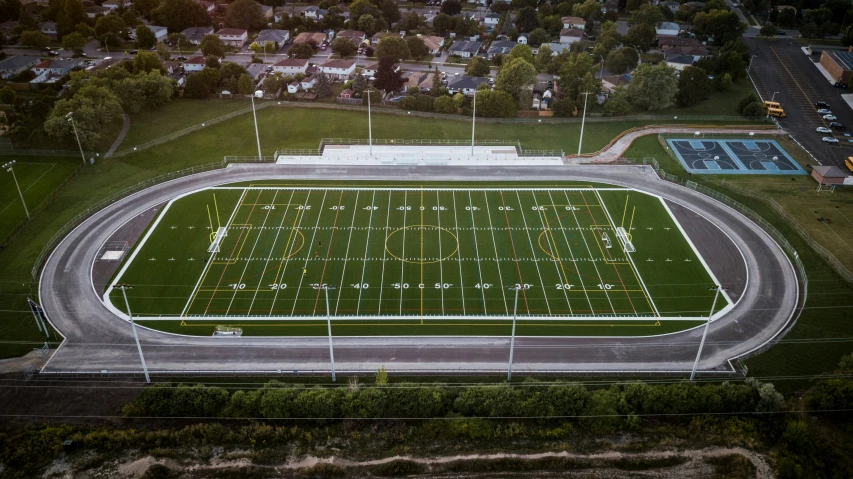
(417, 260)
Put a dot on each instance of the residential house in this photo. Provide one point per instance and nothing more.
(421, 80)
(679, 61)
(522, 40)
(571, 35)
(48, 28)
(499, 47)
(195, 34)
(279, 12)
(235, 37)
(194, 64)
(308, 82)
(96, 10)
(268, 12)
(557, 48)
(491, 20)
(573, 22)
(279, 37)
(354, 36)
(293, 87)
(14, 65)
(347, 94)
(465, 84)
(338, 69)
(314, 12)
(370, 70)
(256, 71)
(161, 34)
(290, 66)
(171, 67)
(310, 37)
(671, 5)
(685, 46)
(52, 70)
(208, 7)
(609, 83)
(8, 27)
(465, 49)
(433, 43)
(112, 5)
(610, 6)
(667, 29)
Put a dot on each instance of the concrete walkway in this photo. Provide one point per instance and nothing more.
(124, 129)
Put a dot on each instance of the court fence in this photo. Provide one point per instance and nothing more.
(767, 227)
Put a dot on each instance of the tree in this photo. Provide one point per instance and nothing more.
(411, 21)
(300, 50)
(451, 7)
(641, 36)
(538, 36)
(437, 86)
(544, 57)
(145, 7)
(246, 14)
(198, 84)
(34, 39)
(180, 40)
(388, 77)
(146, 62)
(245, 85)
(652, 87)
(515, 76)
(394, 47)
(647, 14)
(768, 30)
(417, 48)
(7, 95)
(381, 376)
(617, 103)
(73, 12)
(359, 83)
(145, 37)
(178, 15)
(477, 67)
(616, 63)
(231, 70)
(10, 10)
(527, 20)
(495, 104)
(367, 23)
(753, 110)
(74, 41)
(442, 23)
(343, 47)
(323, 88)
(211, 45)
(109, 29)
(136, 92)
(588, 10)
(163, 51)
(693, 86)
(572, 73)
(724, 26)
(563, 107)
(751, 98)
(95, 109)
(131, 18)
(631, 56)
(443, 104)
(809, 30)
(520, 51)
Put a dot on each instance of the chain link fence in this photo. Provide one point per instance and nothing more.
(29, 152)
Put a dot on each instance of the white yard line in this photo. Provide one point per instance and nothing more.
(458, 256)
(495, 245)
(296, 231)
(440, 254)
(589, 251)
(532, 252)
(209, 261)
(384, 255)
(403, 254)
(572, 254)
(346, 255)
(366, 247)
(308, 253)
(251, 253)
(269, 257)
(477, 253)
(557, 260)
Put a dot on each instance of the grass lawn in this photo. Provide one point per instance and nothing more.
(828, 312)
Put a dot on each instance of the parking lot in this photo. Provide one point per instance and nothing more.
(782, 71)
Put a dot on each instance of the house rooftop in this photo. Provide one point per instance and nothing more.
(232, 31)
(291, 62)
(464, 46)
(843, 59)
(830, 172)
(571, 32)
(338, 63)
(466, 82)
(573, 20)
(197, 60)
(16, 62)
(272, 35)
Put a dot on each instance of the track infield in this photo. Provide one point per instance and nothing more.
(416, 260)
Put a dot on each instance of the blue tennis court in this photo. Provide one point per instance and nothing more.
(733, 157)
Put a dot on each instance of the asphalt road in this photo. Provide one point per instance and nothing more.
(780, 67)
(97, 341)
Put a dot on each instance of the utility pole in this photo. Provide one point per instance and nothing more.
(515, 288)
(124, 288)
(583, 120)
(718, 289)
(257, 136)
(326, 288)
(8, 167)
(70, 117)
(369, 126)
(473, 123)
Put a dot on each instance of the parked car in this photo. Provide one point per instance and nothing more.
(821, 104)
(829, 139)
(823, 129)
(323, 48)
(837, 126)
(134, 52)
(829, 117)
(181, 58)
(824, 111)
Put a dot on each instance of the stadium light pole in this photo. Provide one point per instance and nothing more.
(124, 288)
(70, 117)
(717, 290)
(583, 121)
(473, 122)
(257, 136)
(325, 287)
(8, 167)
(515, 288)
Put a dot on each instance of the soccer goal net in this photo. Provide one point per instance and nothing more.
(625, 239)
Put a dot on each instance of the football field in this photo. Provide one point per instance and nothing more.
(416, 260)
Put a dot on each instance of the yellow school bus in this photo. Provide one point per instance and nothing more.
(772, 104)
(777, 112)
(849, 163)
